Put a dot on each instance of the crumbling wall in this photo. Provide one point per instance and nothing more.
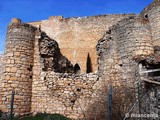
(51, 56)
(69, 93)
(130, 37)
(77, 37)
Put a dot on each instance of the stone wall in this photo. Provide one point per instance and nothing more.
(1, 68)
(125, 40)
(1, 65)
(126, 44)
(18, 63)
(78, 37)
(153, 93)
(1, 73)
(151, 13)
(66, 94)
(39, 62)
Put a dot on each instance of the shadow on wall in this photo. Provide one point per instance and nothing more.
(51, 57)
(89, 64)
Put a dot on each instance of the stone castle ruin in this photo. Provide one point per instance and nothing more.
(59, 65)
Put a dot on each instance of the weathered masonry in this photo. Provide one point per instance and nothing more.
(60, 65)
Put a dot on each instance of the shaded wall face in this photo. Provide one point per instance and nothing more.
(78, 37)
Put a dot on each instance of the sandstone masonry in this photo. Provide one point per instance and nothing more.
(60, 65)
(78, 37)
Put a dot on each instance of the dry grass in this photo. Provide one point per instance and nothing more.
(122, 101)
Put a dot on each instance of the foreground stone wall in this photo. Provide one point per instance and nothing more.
(65, 94)
(77, 37)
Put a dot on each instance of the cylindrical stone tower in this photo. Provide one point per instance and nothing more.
(18, 62)
(152, 13)
(133, 37)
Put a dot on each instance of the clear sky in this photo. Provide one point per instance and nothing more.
(34, 10)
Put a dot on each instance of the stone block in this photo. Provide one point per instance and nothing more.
(13, 69)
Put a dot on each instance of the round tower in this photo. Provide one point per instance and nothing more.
(152, 13)
(18, 62)
(133, 37)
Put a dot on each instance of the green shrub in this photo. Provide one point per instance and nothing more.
(44, 116)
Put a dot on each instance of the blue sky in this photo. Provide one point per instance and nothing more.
(34, 10)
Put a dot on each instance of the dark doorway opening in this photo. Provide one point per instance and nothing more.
(77, 69)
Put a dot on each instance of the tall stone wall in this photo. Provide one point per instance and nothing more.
(18, 63)
(78, 37)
